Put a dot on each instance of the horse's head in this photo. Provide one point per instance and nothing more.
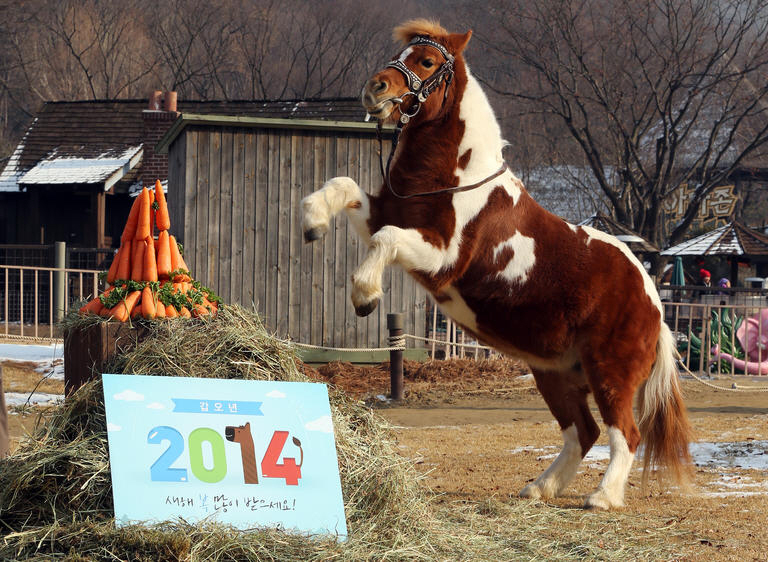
(426, 66)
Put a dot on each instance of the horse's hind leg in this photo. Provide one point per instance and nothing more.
(614, 395)
(566, 395)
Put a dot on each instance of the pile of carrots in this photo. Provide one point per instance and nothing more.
(148, 277)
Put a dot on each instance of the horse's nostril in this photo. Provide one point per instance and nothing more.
(379, 87)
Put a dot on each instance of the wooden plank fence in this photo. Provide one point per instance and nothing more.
(234, 194)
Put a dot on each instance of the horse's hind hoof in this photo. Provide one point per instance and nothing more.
(313, 234)
(366, 309)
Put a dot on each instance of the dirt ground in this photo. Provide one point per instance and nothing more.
(479, 430)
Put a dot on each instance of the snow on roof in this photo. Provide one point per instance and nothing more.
(730, 239)
(9, 178)
(108, 168)
(707, 243)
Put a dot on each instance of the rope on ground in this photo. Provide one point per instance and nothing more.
(734, 388)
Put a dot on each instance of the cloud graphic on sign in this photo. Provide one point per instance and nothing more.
(324, 424)
(129, 396)
(276, 394)
(113, 427)
(156, 406)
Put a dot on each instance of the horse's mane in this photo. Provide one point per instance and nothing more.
(420, 26)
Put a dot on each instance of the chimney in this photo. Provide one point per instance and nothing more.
(158, 118)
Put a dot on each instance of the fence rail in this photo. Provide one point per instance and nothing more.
(713, 335)
(35, 299)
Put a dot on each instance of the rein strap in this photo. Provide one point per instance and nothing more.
(454, 189)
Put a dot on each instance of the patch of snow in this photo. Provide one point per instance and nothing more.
(22, 398)
(50, 358)
(23, 352)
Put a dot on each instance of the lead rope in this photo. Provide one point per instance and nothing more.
(385, 172)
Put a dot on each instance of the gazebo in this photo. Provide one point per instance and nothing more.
(636, 243)
(734, 239)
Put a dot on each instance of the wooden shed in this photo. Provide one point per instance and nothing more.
(234, 187)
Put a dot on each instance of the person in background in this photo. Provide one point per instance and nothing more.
(4, 442)
(724, 283)
(706, 277)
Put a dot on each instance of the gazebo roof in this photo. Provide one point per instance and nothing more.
(732, 239)
(606, 224)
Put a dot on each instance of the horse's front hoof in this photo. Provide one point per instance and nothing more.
(312, 234)
(366, 309)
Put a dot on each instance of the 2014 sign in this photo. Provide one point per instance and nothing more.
(162, 471)
(240, 452)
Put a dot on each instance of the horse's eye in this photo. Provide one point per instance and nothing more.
(427, 63)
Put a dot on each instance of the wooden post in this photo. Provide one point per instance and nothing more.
(59, 280)
(88, 350)
(395, 327)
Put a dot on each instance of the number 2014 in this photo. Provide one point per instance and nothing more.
(161, 470)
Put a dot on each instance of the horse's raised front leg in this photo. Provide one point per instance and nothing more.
(391, 244)
(336, 195)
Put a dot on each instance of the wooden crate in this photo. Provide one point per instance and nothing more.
(87, 350)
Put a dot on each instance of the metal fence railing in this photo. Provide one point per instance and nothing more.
(34, 299)
(716, 338)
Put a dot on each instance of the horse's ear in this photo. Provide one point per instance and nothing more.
(458, 41)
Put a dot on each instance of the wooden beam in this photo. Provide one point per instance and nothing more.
(101, 218)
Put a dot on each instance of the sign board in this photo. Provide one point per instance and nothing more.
(244, 453)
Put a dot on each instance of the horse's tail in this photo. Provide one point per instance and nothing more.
(664, 425)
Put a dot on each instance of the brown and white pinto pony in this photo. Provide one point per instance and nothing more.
(571, 301)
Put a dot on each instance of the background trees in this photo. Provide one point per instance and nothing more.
(652, 95)
(647, 95)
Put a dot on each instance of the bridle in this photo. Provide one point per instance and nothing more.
(421, 90)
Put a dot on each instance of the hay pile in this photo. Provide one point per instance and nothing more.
(56, 497)
(55, 492)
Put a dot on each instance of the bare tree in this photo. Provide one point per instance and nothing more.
(655, 94)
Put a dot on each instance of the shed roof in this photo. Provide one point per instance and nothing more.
(90, 129)
(732, 239)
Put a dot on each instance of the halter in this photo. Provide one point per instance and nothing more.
(421, 90)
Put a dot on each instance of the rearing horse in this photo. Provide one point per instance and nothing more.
(571, 301)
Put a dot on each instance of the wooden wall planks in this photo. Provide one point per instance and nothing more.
(235, 193)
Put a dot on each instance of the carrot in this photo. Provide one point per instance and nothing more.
(130, 224)
(170, 311)
(136, 312)
(151, 212)
(177, 261)
(122, 310)
(124, 260)
(137, 267)
(200, 310)
(159, 310)
(143, 230)
(163, 255)
(163, 218)
(148, 309)
(112, 273)
(105, 312)
(185, 312)
(150, 265)
(92, 307)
